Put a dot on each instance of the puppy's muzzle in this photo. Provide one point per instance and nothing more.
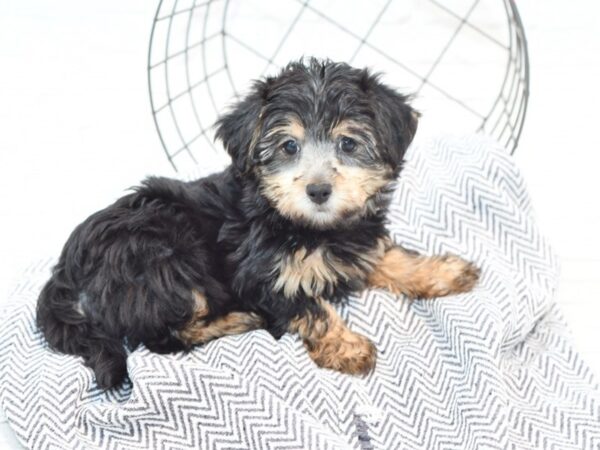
(318, 193)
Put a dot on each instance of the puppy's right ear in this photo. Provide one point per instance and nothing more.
(241, 127)
(396, 120)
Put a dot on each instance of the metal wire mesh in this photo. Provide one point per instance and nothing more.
(203, 53)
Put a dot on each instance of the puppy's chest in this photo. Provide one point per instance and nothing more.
(320, 271)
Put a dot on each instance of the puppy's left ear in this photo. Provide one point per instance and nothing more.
(240, 128)
(396, 120)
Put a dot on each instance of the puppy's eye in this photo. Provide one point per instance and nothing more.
(347, 144)
(290, 147)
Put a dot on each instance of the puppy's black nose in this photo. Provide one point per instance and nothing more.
(319, 193)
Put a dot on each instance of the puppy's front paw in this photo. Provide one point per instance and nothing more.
(346, 352)
(453, 275)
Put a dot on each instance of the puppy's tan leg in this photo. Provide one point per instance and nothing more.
(404, 272)
(199, 330)
(332, 345)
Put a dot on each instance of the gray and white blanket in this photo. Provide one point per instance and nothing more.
(490, 369)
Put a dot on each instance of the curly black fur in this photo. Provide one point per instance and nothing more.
(126, 273)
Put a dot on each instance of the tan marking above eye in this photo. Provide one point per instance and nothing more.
(348, 128)
(296, 129)
(292, 128)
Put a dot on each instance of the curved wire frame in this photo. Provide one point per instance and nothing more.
(507, 116)
(184, 131)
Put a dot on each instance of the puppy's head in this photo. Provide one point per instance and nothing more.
(323, 140)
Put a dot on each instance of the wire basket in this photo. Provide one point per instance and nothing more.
(465, 61)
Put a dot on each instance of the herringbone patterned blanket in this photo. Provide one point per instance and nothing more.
(490, 369)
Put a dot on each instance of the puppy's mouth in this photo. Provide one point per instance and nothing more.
(323, 215)
(326, 216)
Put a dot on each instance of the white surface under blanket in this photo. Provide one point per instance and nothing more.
(490, 369)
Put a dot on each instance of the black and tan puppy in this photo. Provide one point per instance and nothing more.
(296, 222)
